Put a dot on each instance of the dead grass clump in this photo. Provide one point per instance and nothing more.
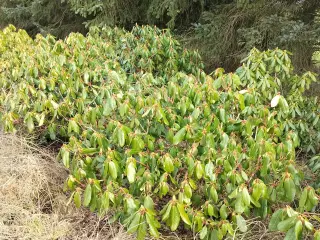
(32, 203)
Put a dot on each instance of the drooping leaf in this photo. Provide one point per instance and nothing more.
(113, 170)
(77, 199)
(184, 216)
(285, 225)
(87, 195)
(241, 223)
(298, 230)
(131, 172)
(179, 137)
(203, 232)
(290, 235)
(121, 137)
(133, 227)
(303, 199)
(175, 218)
(152, 226)
(276, 218)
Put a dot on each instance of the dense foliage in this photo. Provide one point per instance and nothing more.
(271, 72)
(223, 30)
(152, 137)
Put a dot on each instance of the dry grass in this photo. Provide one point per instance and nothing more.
(32, 203)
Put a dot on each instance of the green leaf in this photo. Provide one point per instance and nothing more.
(316, 235)
(199, 170)
(121, 137)
(30, 124)
(131, 172)
(276, 218)
(142, 231)
(285, 225)
(241, 223)
(290, 235)
(308, 225)
(89, 151)
(245, 196)
(133, 227)
(152, 225)
(284, 105)
(255, 202)
(312, 198)
(203, 232)
(54, 104)
(183, 214)
(168, 164)
(114, 76)
(223, 212)
(290, 189)
(179, 137)
(187, 190)
(298, 230)
(265, 166)
(164, 188)
(41, 120)
(257, 190)
(113, 170)
(175, 218)
(225, 140)
(210, 210)
(303, 199)
(166, 214)
(87, 195)
(105, 201)
(73, 127)
(148, 203)
(86, 77)
(222, 115)
(215, 235)
(77, 199)
(315, 121)
(65, 158)
(214, 194)
(239, 206)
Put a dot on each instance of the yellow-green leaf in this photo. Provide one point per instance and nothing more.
(87, 195)
(179, 137)
(77, 199)
(183, 214)
(113, 170)
(175, 218)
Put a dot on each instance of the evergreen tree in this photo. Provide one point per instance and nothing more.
(41, 16)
